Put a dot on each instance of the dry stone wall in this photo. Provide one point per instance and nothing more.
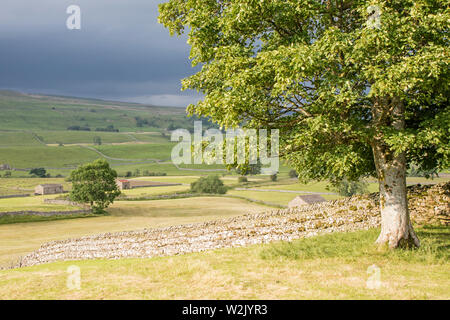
(15, 196)
(65, 202)
(428, 203)
(39, 213)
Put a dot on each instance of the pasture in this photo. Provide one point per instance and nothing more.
(21, 238)
(35, 203)
(334, 266)
(37, 112)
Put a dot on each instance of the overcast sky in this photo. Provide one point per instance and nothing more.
(120, 52)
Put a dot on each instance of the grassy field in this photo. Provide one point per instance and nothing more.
(29, 183)
(33, 218)
(21, 238)
(335, 266)
(227, 180)
(138, 151)
(17, 138)
(4, 191)
(153, 191)
(84, 137)
(48, 157)
(280, 198)
(32, 204)
(32, 112)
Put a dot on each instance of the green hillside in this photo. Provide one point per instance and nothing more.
(36, 112)
(58, 133)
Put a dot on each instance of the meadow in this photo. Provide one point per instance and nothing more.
(21, 238)
(38, 112)
(333, 266)
(32, 204)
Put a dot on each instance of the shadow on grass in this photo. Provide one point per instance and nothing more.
(435, 242)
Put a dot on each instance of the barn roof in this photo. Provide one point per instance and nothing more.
(50, 185)
(306, 199)
(312, 198)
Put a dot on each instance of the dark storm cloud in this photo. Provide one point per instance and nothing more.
(121, 52)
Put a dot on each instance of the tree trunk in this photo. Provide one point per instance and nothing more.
(396, 227)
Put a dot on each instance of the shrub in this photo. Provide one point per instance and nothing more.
(273, 177)
(293, 174)
(349, 188)
(38, 172)
(242, 179)
(109, 128)
(249, 169)
(210, 184)
(418, 172)
(153, 174)
(97, 140)
(79, 128)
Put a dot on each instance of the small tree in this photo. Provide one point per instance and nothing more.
(293, 174)
(94, 183)
(97, 140)
(39, 172)
(210, 184)
(417, 172)
(348, 188)
(242, 179)
(249, 169)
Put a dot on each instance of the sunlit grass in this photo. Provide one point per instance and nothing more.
(35, 203)
(21, 238)
(152, 191)
(333, 266)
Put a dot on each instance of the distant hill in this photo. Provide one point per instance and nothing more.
(60, 133)
(20, 111)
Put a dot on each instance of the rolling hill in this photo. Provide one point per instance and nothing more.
(58, 133)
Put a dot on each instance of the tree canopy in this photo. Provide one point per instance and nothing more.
(356, 88)
(94, 183)
(314, 69)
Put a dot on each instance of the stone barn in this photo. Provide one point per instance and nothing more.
(305, 200)
(48, 189)
(5, 167)
(123, 184)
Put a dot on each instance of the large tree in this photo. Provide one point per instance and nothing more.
(94, 183)
(356, 88)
